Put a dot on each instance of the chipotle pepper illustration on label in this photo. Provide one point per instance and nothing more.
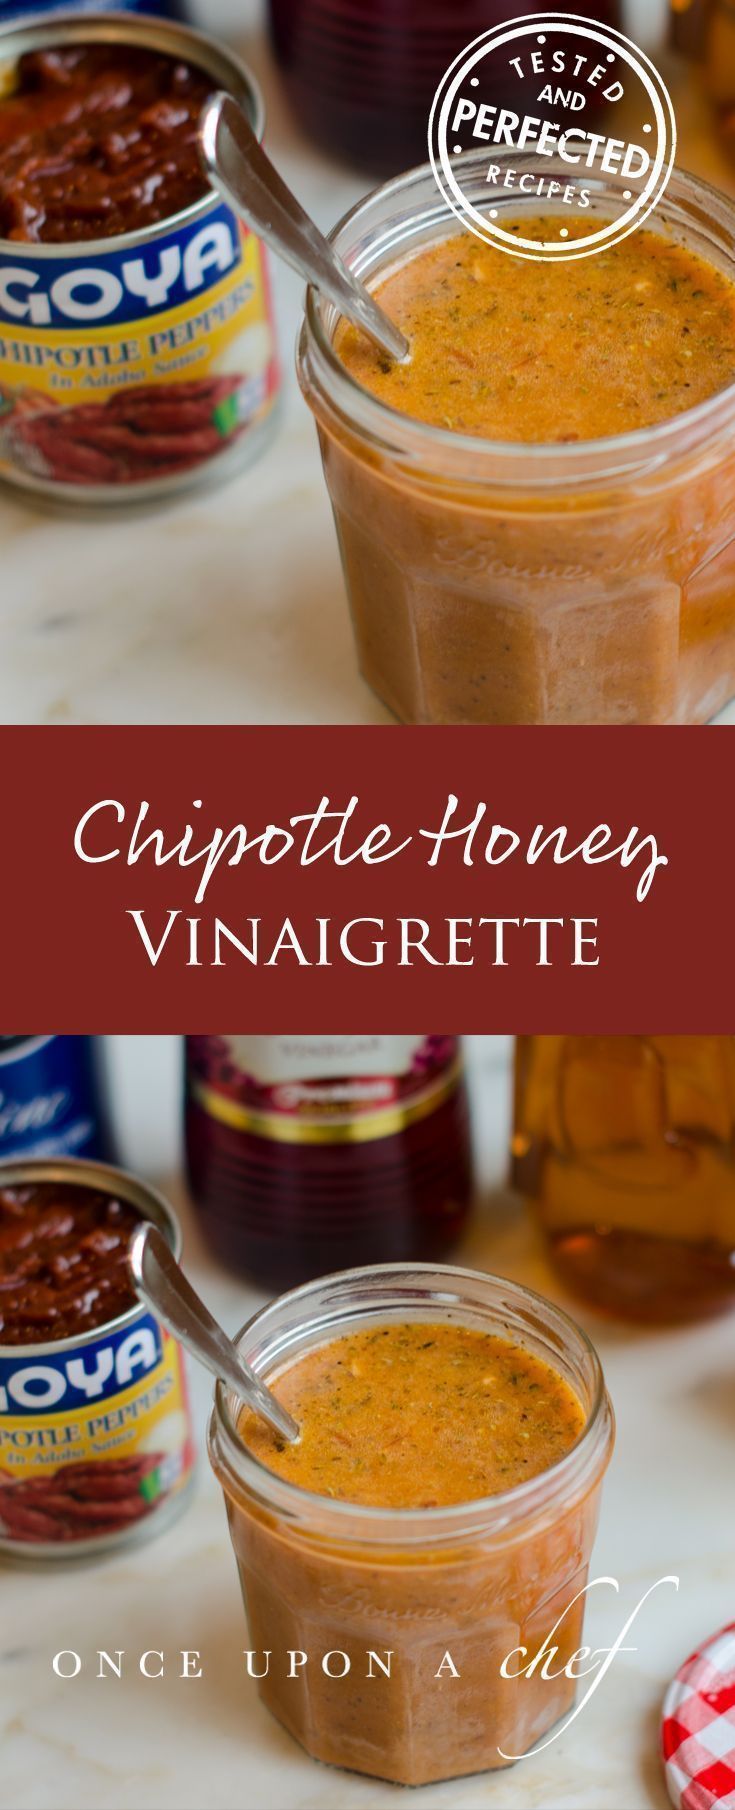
(134, 434)
(81, 1500)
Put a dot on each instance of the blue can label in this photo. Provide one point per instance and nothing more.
(115, 287)
(73, 1379)
(19, 9)
(49, 1099)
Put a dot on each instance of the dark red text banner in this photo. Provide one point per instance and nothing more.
(331, 879)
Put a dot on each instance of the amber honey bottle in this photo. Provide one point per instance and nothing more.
(705, 31)
(626, 1146)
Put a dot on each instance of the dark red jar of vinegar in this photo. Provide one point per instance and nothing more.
(309, 1154)
(361, 74)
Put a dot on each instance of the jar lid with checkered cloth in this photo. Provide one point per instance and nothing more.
(698, 1727)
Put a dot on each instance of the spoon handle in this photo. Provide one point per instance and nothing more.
(162, 1284)
(239, 168)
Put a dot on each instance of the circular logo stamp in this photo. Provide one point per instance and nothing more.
(569, 113)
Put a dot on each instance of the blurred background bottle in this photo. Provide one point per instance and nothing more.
(361, 74)
(53, 1098)
(313, 1153)
(705, 31)
(16, 9)
(626, 1146)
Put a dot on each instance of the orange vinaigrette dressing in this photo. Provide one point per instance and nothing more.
(417, 1415)
(515, 349)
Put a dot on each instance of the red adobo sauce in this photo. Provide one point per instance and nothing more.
(62, 1261)
(98, 140)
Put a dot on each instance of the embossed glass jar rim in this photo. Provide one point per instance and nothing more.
(338, 1304)
(407, 214)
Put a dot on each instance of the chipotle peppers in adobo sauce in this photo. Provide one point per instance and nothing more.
(63, 1264)
(98, 140)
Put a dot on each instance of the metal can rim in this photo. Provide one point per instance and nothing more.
(37, 31)
(105, 1178)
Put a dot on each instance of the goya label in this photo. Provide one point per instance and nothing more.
(321, 1089)
(93, 1438)
(137, 362)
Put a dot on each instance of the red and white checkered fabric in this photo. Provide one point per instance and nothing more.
(698, 1728)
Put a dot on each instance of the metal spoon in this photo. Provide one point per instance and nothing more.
(237, 165)
(161, 1282)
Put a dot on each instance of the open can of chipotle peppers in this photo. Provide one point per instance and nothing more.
(137, 344)
(96, 1441)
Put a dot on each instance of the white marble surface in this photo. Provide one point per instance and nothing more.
(229, 606)
(175, 1745)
